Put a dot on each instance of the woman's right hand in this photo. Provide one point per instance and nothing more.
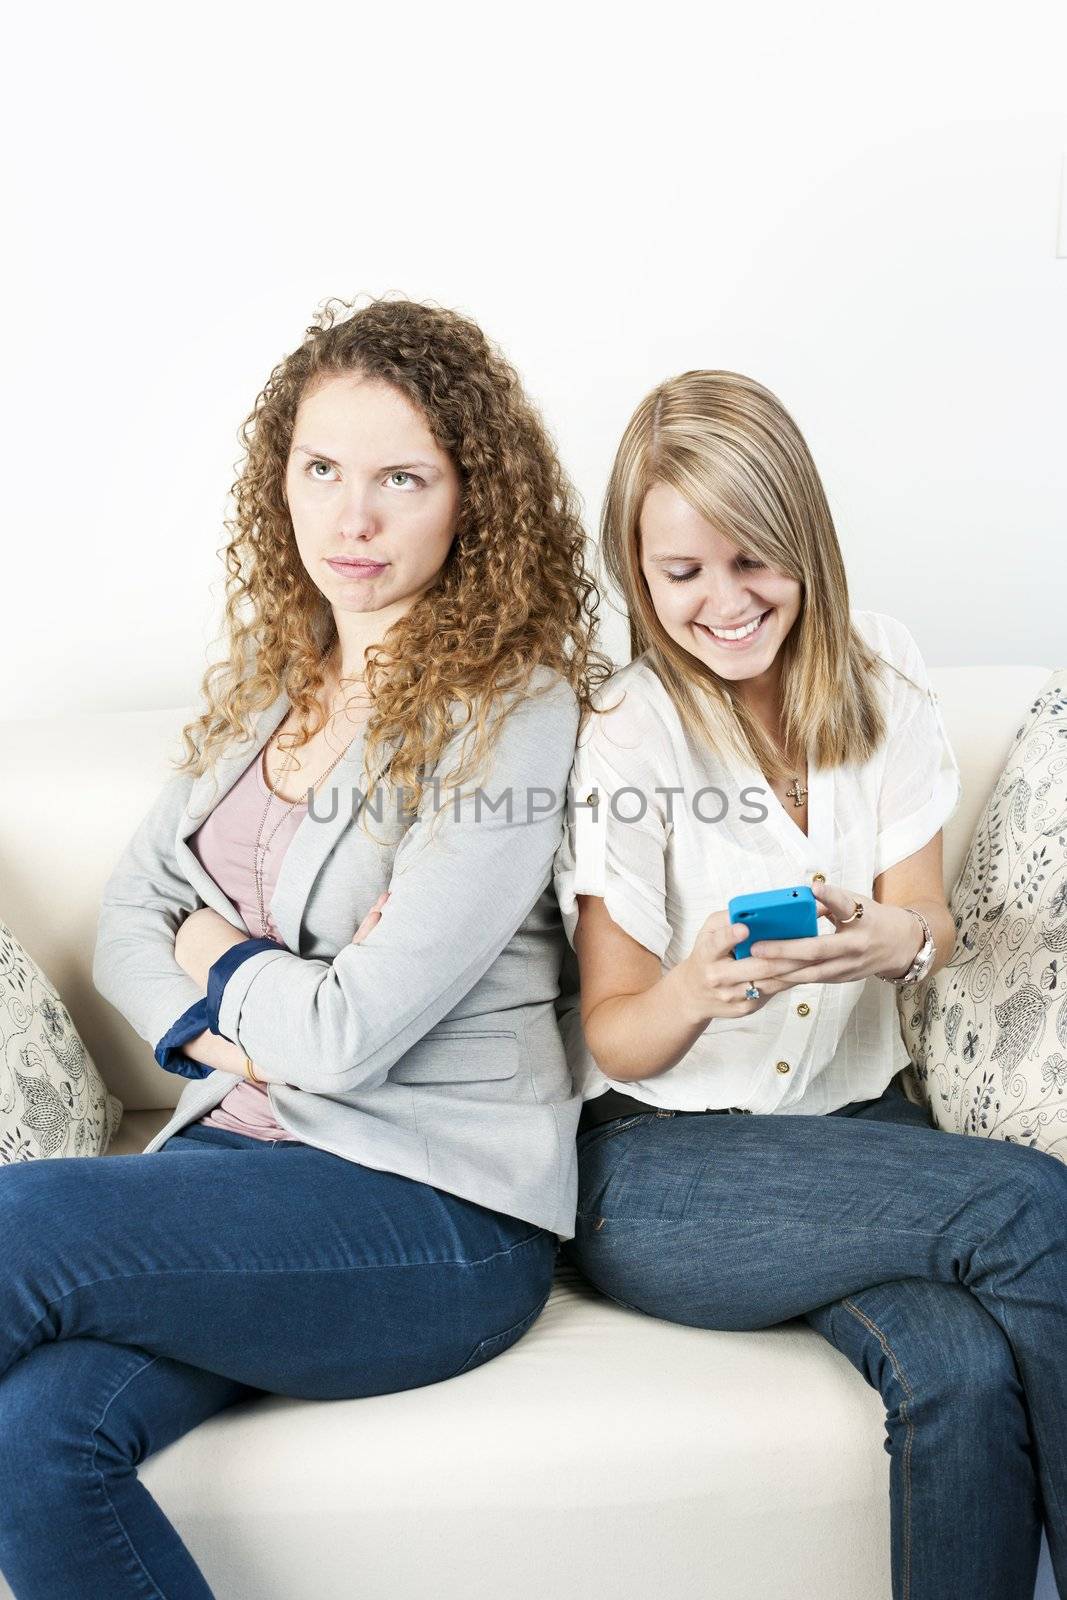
(715, 981)
(371, 920)
(211, 1050)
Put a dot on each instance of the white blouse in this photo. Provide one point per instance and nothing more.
(813, 1047)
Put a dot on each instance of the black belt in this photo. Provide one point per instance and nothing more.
(613, 1103)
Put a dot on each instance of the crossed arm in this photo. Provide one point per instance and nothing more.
(336, 1026)
(201, 942)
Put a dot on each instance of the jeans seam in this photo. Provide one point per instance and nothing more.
(524, 1323)
(357, 1266)
(1004, 1311)
(156, 1591)
(803, 1227)
(852, 1307)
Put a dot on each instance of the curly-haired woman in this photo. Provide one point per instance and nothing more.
(338, 922)
(761, 1160)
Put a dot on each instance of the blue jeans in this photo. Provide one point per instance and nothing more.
(140, 1296)
(935, 1262)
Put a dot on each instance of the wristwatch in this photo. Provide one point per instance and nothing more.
(924, 960)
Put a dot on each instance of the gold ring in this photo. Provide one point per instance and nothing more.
(857, 911)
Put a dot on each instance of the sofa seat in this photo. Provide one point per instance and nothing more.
(137, 1129)
(606, 1454)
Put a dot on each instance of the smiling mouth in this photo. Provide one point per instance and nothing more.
(735, 643)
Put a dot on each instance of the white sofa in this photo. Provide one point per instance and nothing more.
(607, 1453)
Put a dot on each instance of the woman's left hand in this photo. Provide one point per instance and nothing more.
(202, 938)
(882, 941)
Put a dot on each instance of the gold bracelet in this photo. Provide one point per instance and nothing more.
(250, 1073)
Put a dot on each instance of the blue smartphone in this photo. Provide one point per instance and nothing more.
(777, 914)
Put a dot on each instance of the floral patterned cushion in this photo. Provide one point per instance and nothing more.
(988, 1033)
(53, 1101)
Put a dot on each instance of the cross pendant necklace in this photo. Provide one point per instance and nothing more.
(797, 793)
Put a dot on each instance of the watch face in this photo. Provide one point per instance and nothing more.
(918, 968)
(925, 960)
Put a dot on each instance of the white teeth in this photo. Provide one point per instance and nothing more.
(736, 633)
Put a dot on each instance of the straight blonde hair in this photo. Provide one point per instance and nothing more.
(729, 447)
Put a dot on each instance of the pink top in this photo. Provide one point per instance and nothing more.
(224, 844)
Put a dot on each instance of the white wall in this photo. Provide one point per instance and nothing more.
(856, 205)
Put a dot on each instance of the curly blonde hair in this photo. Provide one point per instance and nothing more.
(730, 448)
(513, 594)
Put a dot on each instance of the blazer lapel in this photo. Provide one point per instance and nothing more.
(205, 794)
(333, 808)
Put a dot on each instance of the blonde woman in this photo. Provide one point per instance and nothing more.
(338, 922)
(747, 1154)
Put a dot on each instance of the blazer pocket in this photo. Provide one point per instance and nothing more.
(458, 1057)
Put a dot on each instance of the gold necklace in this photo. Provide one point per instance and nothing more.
(795, 790)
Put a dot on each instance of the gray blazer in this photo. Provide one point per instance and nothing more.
(431, 1049)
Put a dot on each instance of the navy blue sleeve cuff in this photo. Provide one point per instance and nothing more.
(168, 1051)
(219, 973)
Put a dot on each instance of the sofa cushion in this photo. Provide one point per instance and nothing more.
(608, 1453)
(53, 1101)
(988, 1032)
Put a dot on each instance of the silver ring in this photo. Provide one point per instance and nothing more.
(752, 993)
